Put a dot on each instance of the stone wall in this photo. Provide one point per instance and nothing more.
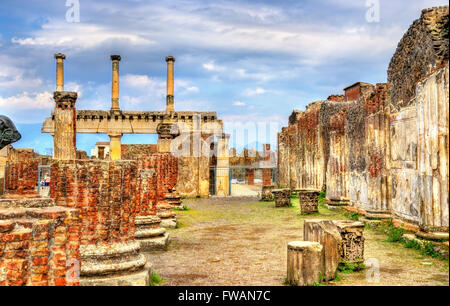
(130, 152)
(383, 157)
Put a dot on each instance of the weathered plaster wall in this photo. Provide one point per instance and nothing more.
(432, 105)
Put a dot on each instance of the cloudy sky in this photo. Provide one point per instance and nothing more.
(253, 62)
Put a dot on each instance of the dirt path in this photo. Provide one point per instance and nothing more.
(243, 242)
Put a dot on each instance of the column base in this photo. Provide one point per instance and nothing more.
(113, 264)
(337, 202)
(434, 236)
(150, 235)
(133, 279)
(378, 215)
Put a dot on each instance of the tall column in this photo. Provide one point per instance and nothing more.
(115, 146)
(64, 140)
(115, 82)
(60, 71)
(223, 167)
(169, 99)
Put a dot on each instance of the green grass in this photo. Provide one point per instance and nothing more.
(155, 280)
(184, 208)
(395, 234)
(348, 267)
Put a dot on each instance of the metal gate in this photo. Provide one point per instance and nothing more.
(43, 183)
(212, 180)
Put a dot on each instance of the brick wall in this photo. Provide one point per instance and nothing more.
(21, 173)
(105, 193)
(39, 246)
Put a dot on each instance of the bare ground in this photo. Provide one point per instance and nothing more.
(242, 242)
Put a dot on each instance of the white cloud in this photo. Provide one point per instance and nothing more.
(26, 101)
(192, 89)
(79, 36)
(210, 66)
(255, 92)
(238, 103)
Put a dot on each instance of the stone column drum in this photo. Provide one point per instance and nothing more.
(105, 193)
(149, 232)
(309, 200)
(304, 263)
(282, 197)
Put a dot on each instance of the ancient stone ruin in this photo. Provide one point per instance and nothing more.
(382, 150)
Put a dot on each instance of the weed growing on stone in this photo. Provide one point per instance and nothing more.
(184, 208)
(155, 279)
(353, 216)
(348, 267)
(395, 234)
(413, 244)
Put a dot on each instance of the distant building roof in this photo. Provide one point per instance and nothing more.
(358, 83)
(102, 143)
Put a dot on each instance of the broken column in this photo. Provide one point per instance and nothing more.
(282, 197)
(105, 193)
(149, 233)
(343, 242)
(309, 200)
(266, 193)
(64, 139)
(304, 263)
(39, 243)
(170, 88)
(352, 246)
(326, 233)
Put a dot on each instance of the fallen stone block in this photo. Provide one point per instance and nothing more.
(304, 263)
(326, 233)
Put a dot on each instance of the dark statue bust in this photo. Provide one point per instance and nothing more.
(8, 132)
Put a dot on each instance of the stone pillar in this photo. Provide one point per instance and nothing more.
(115, 146)
(223, 167)
(170, 98)
(60, 71)
(64, 140)
(115, 82)
(304, 263)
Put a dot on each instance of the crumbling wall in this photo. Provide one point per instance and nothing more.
(39, 243)
(422, 48)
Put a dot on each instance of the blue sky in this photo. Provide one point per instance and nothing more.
(251, 61)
